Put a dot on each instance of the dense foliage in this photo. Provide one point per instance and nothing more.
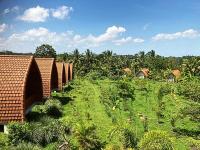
(156, 140)
(45, 50)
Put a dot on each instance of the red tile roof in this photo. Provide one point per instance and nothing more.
(145, 71)
(61, 74)
(49, 74)
(176, 73)
(20, 86)
(127, 70)
(67, 72)
(71, 71)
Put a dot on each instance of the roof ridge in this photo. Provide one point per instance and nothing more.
(16, 55)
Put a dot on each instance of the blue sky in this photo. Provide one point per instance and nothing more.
(170, 27)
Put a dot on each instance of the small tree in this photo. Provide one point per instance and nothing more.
(156, 140)
(45, 50)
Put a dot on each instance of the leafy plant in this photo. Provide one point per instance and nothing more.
(18, 132)
(53, 107)
(26, 146)
(156, 140)
(3, 140)
(87, 138)
(130, 139)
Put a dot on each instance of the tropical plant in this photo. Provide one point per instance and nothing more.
(26, 146)
(87, 138)
(130, 139)
(156, 140)
(53, 107)
(3, 140)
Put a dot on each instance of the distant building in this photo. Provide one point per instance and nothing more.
(174, 75)
(143, 73)
(127, 71)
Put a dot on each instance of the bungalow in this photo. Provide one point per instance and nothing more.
(20, 88)
(143, 73)
(61, 75)
(127, 71)
(49, 75)
(174, 75)
(71, 71)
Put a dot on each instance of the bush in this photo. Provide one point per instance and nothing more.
(18, 132)
(87, 138)
(194, 144)
(53, 108)
(156, 140)
(41, 133)
(190, 90)
(3, 140)
(47, 133)
(130, 139)
(26, 146)
(126, 90)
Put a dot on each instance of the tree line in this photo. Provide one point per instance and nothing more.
(111, 64)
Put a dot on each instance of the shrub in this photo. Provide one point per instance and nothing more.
(130, 139)
(3, 140)
(126, 90)
(156, 140)
(41, 133)
(113, 147)
(38, 108)
(194, 144)
(87, 138)
(53, 108)
(47, 133)
(18, 132)
(26, 146)
(190, 90)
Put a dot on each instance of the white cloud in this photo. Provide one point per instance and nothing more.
(62, 12)
(28, 40)
(111, 33)
(190, 33)
(35, 14)
(3, 27)
(128, 40)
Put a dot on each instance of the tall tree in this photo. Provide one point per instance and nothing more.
(45, 50)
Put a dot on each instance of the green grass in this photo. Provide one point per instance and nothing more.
(87, 108)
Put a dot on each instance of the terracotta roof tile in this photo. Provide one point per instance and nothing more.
(61, 74)
(71, 71)
(176, 73)
(145, 71)
(16, 74)
(67, 72)
(49, 75)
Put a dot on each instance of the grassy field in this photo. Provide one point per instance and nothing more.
(98, 103)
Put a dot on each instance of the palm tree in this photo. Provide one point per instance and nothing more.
(87, 138)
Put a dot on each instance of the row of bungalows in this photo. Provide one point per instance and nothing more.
(25, 81)
(144, 73)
